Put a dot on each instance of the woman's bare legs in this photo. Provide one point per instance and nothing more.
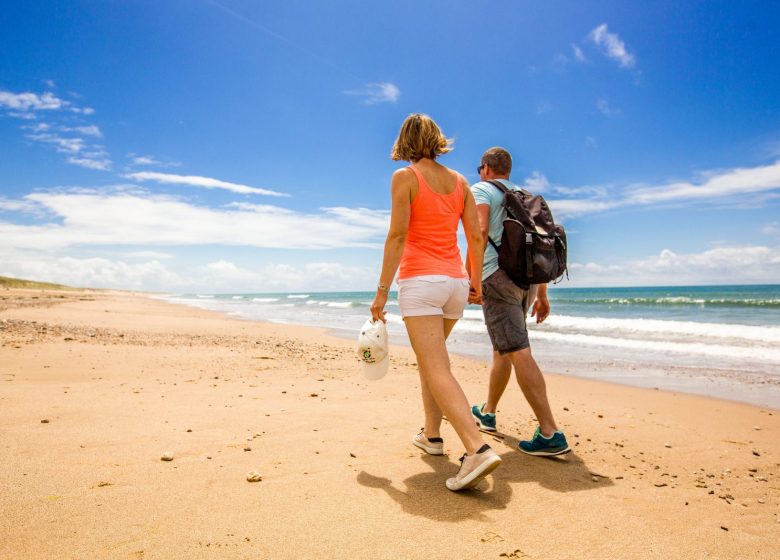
(441, 392)
(433, 414)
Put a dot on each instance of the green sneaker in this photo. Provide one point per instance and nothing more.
(485, 420)
(545, 447)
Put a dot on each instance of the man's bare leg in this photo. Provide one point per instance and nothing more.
(531, 381)
(500, 372)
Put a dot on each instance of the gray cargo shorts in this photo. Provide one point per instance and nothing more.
(505, 306)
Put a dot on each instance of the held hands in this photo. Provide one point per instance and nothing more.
(475, 294)
(541, 309)
(378, 306)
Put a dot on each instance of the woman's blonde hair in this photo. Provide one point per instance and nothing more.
(420, 137)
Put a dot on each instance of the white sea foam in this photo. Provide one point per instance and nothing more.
(393, 318)
(237, 297)
(713, 350)
(613, 326)
(265, 299)
(204, 296)
(298, 296)
(339, 304)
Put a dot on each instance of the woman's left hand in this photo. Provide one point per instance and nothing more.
(378, 306)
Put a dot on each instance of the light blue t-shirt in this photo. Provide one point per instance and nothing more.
(485, 193)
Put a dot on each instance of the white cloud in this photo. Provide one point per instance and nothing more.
(26, 106)
(156, 255)
(91, 163)
(720, 265)
(373, 219)
(144, 160)
(61, 144)
(25, 206)
(725, 183)
(29, 101)
(372, 94)
(90, 130)
(578, 54)
(37, 127)
(570, 208)
(612, 46)
(198, 181)
(22, 116)
(89, 218)
(606, 109)
(536, 182)
(92, 272)
(748, 187)
(147, 160)
(225, 276)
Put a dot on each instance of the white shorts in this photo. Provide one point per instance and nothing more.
(433, 295)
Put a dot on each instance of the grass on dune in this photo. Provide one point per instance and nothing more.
(6, 282)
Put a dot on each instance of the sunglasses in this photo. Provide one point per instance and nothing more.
(480, 168)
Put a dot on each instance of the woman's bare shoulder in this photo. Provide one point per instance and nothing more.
(404, 176)
(404, 172)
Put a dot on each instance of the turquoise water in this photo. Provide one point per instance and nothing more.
(745, 305)
(712, 340)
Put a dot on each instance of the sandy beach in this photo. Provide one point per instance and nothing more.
(95, 386)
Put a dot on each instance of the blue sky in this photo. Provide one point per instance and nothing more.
(237, 145)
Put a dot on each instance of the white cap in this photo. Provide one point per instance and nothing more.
(373, 350)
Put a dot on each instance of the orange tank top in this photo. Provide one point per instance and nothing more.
(432, 238)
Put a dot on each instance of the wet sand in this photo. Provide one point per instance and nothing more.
(96, 386)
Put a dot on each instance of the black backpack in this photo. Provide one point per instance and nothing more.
(533, 246)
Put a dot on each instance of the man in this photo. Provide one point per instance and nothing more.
(505, 305)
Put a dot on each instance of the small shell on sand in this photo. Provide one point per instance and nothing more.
(253, 476)
(44, 421)
(167, 456)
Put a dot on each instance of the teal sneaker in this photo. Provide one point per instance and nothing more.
(485, 420)
(546, 447)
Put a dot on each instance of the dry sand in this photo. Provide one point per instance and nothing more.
(119, 379)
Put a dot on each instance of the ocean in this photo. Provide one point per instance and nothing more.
(720, 341)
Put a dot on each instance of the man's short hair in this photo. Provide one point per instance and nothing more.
(499, 160)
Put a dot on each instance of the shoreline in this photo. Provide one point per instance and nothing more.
(720, 384)
(122, 378)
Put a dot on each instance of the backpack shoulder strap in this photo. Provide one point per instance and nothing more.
(500, 186)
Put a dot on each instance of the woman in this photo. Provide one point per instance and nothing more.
(428, 201)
